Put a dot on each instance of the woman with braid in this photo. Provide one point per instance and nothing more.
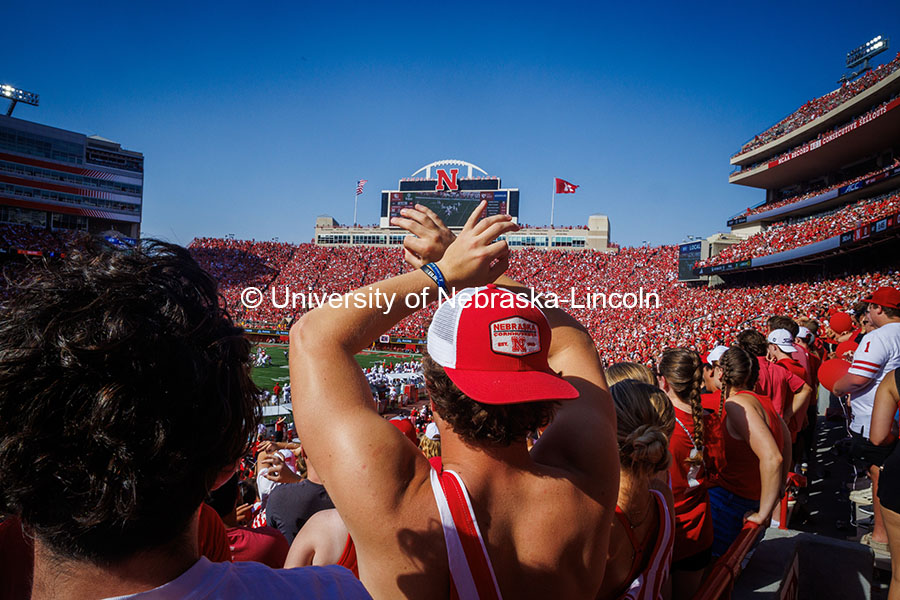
(681, 378)
(640, 546)
(757, 451)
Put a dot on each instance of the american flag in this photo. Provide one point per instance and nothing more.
(359, 185)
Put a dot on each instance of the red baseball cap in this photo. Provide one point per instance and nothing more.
(493, 345)
(885, 296)
(841, 323)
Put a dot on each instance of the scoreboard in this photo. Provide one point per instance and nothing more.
(688, 254)
(453, 208)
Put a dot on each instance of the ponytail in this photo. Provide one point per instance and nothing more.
(739, 370)
(696, 403)
(683, 369)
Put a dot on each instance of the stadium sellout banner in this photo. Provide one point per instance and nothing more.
(851, 126)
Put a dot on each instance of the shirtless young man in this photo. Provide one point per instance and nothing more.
(544, 516)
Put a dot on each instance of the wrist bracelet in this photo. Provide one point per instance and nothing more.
(432, 270)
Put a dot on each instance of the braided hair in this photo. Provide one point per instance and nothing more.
(739, 370)
(683, 369)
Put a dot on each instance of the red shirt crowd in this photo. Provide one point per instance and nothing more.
(790, 233)
(691, 317)
(817, 107)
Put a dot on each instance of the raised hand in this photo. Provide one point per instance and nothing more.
(243, 514)
(474, 258)
(433, 236)
(279, 472)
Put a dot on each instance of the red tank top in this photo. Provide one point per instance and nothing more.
(741, 476)
(693, 520)
(471, 573)
(652, 556)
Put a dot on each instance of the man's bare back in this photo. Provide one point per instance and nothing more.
(544, 516)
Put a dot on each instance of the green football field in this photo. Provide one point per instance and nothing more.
(267, 377)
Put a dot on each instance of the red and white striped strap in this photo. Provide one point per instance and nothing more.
(470, 567)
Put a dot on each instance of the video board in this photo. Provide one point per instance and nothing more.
(453, 207)
(688, 255)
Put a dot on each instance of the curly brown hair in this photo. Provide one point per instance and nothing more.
(125, 390)
(478, 423)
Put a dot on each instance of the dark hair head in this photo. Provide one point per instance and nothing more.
(783, 322)
(643, 444)
(479, 423)
(247, 491)
(810, 324)
(739, 371)
(124, 391)
(753, 342)
(683, 370)
(224, 499)
(629, 370)
(891, 313)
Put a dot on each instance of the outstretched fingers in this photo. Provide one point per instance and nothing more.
(410, 225)
(488, 222)
(496, 229)
(476, 214)
(431, 215)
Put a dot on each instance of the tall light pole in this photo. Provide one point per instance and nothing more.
(861, 55)
(16, 95)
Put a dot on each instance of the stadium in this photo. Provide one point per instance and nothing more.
(824, 236)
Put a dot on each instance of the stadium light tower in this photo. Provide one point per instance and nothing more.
(861, 55)
(16, 95)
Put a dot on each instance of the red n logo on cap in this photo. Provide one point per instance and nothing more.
(450, 181)
(518, 345)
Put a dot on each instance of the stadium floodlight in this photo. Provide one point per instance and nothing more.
(863, 53)
(16, 95)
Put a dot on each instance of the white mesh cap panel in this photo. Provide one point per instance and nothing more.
(443, 328)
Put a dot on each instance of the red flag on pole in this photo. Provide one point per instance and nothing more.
(564, 187)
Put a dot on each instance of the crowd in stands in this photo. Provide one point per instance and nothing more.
(711, 392)
(695, 317)
(822, 135)
(525, 226)
(15, 236)
(794, 233)
(815, 191)
(817, 107)
(237, 264)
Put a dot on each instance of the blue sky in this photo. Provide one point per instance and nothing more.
(255, 118)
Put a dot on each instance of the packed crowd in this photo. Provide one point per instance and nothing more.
(817, 190)
(237, 264)
(695, 317)
(704, 440)
(510, 408)
(794, 233)
(872, 112)
(14, 236)
(817, 107)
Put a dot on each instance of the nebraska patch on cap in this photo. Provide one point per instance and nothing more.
(515, 336)
(495, 349)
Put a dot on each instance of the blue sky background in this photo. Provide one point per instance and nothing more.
(255, 118)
